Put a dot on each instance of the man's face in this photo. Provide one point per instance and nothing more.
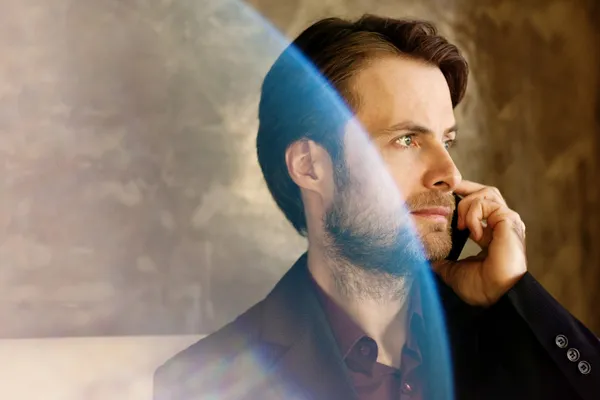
(405, 107)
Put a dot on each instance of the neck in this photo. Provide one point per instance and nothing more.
(376, 302)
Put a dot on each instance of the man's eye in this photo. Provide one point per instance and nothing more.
(449, 143)
(405, 141)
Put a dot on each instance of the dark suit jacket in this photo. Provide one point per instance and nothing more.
(283, 348)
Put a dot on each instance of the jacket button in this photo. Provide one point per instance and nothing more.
(573, 354)
(561, 341)
(584, 367)
(406, 388)
(364, 349)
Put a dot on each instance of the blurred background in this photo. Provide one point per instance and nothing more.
(133, 216)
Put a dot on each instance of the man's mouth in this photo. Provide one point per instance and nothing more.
(433, 214)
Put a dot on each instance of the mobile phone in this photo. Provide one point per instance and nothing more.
(459, 237)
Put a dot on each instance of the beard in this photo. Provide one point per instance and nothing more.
(436, 238)
(373, 240)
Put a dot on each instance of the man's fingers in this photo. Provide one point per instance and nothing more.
(477, 213)
(465, 187)
(473, 189)
(487, 193)
(486, 218)
(513, 222)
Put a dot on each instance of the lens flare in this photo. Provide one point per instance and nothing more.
(134, 205)
(262, 44)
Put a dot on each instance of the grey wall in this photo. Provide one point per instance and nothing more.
(130, 198)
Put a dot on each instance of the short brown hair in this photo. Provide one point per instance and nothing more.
(295, 103)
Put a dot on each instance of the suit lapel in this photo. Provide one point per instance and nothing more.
(311, 366)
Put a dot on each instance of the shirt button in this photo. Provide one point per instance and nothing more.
(406, 388)
(561, 341)
(573, 354)
(365, 350)
(584, 367)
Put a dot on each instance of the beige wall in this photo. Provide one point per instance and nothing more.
(130, 198)
(92, 368)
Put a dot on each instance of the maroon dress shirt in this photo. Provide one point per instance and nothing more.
(372, 380)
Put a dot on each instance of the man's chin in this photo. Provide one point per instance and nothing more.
(437, 245)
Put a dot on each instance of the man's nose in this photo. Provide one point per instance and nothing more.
(442, 174)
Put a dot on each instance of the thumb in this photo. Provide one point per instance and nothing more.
(457, 274)
(445, 269)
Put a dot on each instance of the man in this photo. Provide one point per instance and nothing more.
(354, 317)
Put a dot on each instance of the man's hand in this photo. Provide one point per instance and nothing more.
(482, 279)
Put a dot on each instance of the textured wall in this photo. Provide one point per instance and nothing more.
(116, 367)
(536, 66)
(130, 199)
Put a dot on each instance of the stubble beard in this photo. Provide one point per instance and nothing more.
(436, 240)
(375, 255)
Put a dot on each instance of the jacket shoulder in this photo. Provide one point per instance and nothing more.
(206, 363)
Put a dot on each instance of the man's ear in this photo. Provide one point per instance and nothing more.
(309, 165)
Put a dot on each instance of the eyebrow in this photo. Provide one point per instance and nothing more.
(413, 127)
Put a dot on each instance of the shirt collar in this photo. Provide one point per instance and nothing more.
(347, 332)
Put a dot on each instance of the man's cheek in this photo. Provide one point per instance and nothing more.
(403, 188)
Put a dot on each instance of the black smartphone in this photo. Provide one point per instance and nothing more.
(459, 237)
